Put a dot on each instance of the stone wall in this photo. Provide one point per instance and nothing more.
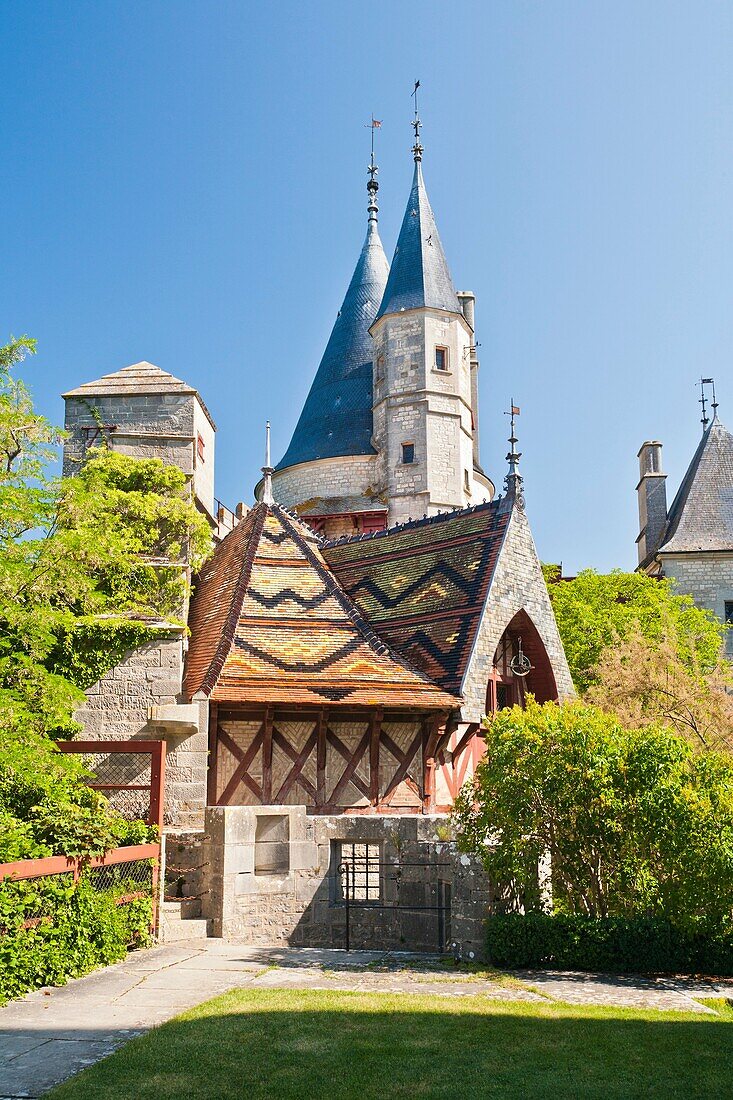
(131, 702)
(708, 578)
(353, 475)
(518, 585)
(299, 901)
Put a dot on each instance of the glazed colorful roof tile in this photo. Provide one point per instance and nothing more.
(269, 623)
(423, 587)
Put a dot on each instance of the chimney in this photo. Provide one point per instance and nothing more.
(652, 498)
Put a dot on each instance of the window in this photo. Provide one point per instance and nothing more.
(408, 454)
(467, 481)
(729, 611)
(380, 368)
(441, 358)
(200, 445)
(358, 871)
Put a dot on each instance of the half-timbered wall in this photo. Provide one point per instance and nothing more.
(325, 759)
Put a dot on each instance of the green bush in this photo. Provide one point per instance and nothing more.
(620, 945)
(73, 928)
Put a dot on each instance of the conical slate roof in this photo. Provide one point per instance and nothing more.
(701, 516)
(337, 416)
(419, 274)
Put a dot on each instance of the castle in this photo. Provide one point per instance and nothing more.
(351, 628)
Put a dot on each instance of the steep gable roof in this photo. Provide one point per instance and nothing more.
(419, 274)
(337, 416)
(701, 516)
(423, 586)
(269, 623)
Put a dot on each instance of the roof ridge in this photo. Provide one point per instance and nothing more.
(440, 517)
(258, 514)
(349, 607)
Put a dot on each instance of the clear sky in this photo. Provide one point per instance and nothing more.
(185, 183)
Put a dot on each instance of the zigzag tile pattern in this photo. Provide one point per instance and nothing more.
(423, 587)
(288, 634)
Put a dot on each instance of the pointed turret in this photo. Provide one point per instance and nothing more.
(419, 276)
(337, 416)
(701, 516)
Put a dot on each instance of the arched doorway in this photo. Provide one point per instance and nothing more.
(520, 648)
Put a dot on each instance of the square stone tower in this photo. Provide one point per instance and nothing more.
(145, 412)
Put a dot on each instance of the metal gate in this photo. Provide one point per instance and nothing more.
(363, 882)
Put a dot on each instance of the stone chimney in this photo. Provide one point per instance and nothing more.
(652, 498)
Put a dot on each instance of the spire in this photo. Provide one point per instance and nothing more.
(513, 482)
(337, 416)
(419, 276)
(267, 470)
(372, 184)
(701, 516)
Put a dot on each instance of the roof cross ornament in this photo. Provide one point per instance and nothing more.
(416, 124)
(513, 481)
(267, 470)
(705, 420)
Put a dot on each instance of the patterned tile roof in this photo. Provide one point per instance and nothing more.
(423, 587)
(337, 416)
(269, 623)
(701, 516)
(419, 274)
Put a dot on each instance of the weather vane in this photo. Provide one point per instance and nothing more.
(417, 147)
(703, 401)
(372, 184)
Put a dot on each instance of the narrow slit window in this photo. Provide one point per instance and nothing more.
(441, 358)
(408, 454)
(467, 481)
(200, 447)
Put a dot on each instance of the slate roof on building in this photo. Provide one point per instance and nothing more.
(423, 587)
(139, 379)
(337, 506)
(337, 416)
(270, 624)
(701, 516)
(419, 274)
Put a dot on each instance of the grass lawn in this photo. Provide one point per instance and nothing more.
(289, 1044)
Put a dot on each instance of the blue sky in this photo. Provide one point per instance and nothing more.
(185, 183)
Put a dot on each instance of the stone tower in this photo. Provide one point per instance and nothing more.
(692, 544)
(425, 374)
(144, 412)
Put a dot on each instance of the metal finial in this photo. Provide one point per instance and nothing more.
(267, 470)
(416, 124)
(703, 401)
(372, 184)
(514, 480)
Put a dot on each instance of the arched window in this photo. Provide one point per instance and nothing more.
(520, 650)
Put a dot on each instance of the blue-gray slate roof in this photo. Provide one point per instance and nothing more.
(701, 516)
(419, 274)
(337, 416)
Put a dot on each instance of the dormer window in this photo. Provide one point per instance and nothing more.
(441, 358)
(408, 454)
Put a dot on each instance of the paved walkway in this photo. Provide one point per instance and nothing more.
(54, 1033)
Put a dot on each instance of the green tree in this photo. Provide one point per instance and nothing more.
(595, 611)
(624, 821)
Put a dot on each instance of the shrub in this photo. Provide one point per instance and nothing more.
(620, 945)
(53, 929)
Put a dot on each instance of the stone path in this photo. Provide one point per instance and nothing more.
(54, 1033)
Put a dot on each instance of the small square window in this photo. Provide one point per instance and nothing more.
(441, 358)
(358, 872)
(408, 454)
